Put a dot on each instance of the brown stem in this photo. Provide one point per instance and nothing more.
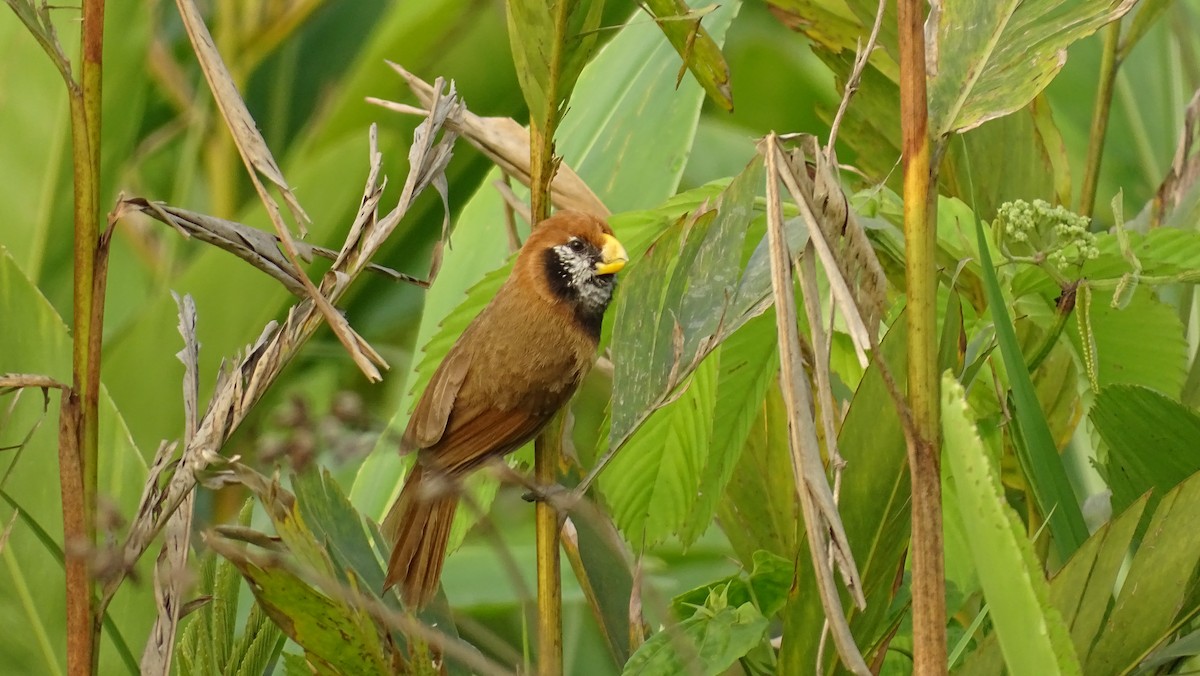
(928, 586)
(79, 433)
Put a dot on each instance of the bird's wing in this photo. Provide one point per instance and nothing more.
(474, 436)
(429, 418)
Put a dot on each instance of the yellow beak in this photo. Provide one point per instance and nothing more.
(612, 257)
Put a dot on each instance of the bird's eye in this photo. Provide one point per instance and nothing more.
(575, 244)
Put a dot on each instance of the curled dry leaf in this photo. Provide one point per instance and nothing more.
(824, 530)
(506, 143)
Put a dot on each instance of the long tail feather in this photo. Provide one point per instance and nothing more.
(420, 527)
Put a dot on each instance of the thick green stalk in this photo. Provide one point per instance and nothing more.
(548, 447)
(928, 574)
(1104, 96)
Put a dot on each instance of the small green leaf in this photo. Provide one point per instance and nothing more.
(708, 643)
(766, 587)
(1032, 634)
(701, 54)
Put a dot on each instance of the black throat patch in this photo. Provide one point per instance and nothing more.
(587, 304)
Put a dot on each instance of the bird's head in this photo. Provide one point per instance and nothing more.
(573, 257)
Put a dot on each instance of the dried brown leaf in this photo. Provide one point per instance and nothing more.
(506, 143)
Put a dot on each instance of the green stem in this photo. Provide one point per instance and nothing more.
(547, 451)
(548, 446)
(928, 568)
(1100, 112)
(1066, 305)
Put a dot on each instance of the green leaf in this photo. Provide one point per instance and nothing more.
(626, 101)
(39, 342)
(992, 58)
(701, 54)
(1035, 447)
(335, 524)
(551, 42)
(749, 365)
(650, 487)
(708, 644)
(759, 509)
(1032, 634)
(766, 587)
(331, 632)
(685, 286)
(1153, 442)
(257, 647)
(1083, 589)
(1141, 344)
(1157, 586)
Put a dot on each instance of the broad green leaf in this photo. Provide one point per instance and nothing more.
(749, 365)
(1083, 589)
(684, 296)
(1036, 449)
(708, 644)
(34, 163)
(759, 509)
(765, 586)
(1018, 156)
(993, 58)
(1153, 442)
(1032, 634)
(332, 633)
(626, 101)
(685, 30)
(650, 488)
(335, 524)
(35, 340)
(1157, 586)
(551, 42)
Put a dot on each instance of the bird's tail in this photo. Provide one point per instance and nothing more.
(419, 523)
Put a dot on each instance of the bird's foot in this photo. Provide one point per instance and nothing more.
(556, 495)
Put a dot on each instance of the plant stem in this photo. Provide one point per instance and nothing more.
(547, 450)
(928, 576)
(1104, 95)
(79, 424)
(548, 446)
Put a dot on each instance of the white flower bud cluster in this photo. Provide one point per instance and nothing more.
(1040, 233)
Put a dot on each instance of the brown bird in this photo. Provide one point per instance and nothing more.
(511, 370)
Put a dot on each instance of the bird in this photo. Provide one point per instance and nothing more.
(513, 368)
